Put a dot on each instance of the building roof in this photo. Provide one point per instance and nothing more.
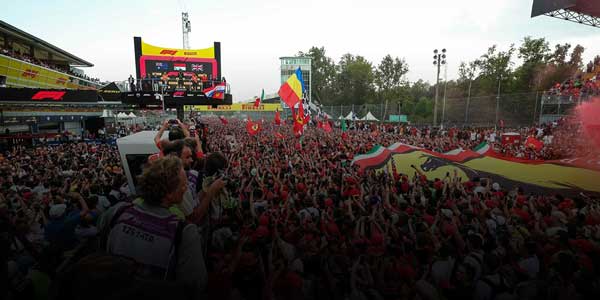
(22, 35)
(284, 57)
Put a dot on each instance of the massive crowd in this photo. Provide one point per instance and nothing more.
(222, 214)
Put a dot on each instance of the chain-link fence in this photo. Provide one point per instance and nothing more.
(512, 109)
(254, 115)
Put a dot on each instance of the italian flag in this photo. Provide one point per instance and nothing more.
(482, 148)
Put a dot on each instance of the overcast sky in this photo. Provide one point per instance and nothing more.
(254, 34)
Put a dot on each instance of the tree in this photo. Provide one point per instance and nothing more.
(466, 72)
(389, 75)
(494, 65)
(323, 75)
(576, 60)
(534, 51)
(354, 80)
(560, 54)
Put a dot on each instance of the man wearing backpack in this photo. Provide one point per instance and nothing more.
(494, 284)
(149, 234)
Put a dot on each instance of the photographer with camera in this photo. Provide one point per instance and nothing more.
(177, 131)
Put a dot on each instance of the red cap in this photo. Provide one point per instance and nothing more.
(333, 229)
(261, 231)
(300, 187)
(449, 229)
(429, 219)
(263, 220)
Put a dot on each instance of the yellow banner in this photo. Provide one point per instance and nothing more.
(23, 74)
(237, 107)
(148, 49)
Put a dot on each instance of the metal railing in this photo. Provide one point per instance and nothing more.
(157, 85)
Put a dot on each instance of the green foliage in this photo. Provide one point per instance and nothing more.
(356, 81)
(323, 73)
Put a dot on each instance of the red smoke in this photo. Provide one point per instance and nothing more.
(589, 115)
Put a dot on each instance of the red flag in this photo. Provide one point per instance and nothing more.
(306, 119)
(252, 128)
(326, 126)
(319, 124)
(298, 120)
(277, 118)
(223, 120)
(532, 142)
(257, 102)
(301, 112)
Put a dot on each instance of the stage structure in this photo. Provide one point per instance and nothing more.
(580, 11)
(173, 77)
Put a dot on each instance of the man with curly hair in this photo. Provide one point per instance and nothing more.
(163, 246)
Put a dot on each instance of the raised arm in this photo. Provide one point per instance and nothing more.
(158, 136)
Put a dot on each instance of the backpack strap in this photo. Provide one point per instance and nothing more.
(476, 258)
(177, 243)
(106, 230)
(118, 214)
(496, 288)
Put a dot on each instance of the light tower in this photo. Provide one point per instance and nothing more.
(186, 27)
(439, 59)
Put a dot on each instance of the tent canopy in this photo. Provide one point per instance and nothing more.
(369, 117)
(349, 116)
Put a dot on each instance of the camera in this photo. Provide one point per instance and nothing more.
(173, 122)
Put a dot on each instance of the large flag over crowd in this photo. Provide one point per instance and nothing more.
(566, 175)
(292, 90)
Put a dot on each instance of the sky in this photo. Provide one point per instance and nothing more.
(254, 34)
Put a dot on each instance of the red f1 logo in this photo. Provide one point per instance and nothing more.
(29, 73)
(179, 94)
(52, 95)
(169, 52)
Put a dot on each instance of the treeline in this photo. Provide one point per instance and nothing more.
(356, 80)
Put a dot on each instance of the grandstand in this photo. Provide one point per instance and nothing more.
(43, 91)
(559, 100)
(28, 61)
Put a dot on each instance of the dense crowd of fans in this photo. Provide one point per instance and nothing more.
(574, 88)
(30, 59)
(559, 139)
(222, 214)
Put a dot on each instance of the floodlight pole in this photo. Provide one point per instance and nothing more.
(498, 101)
(438, 60)
(444, 102)
(186, 28)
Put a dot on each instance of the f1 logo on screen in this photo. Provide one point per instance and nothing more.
(169, 52)
(179, 94)
(52, 95)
